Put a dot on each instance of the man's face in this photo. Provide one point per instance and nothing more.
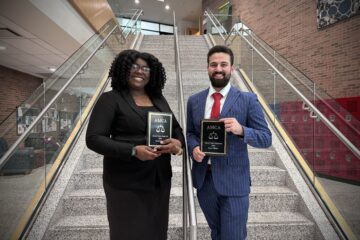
(219, 70)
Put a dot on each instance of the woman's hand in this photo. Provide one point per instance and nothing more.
(170, 145)
(146, 153)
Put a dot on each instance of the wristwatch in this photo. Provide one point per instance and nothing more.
(133, 152)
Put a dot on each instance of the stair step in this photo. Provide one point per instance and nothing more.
(266, 199)
(260, 175)
(271, 225)
(257, 157)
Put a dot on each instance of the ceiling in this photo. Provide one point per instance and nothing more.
(154, 10)
(33, 42)
(30, 41)
(24, 52)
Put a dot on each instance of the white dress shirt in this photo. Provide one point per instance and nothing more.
(210, 101)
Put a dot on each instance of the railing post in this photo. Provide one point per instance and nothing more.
(188, 196)
(185, 203)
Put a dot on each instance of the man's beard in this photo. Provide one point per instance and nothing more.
(219, 83)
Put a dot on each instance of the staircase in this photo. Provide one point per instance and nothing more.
(274, 205)
(277, 210)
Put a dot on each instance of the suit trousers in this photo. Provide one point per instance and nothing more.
(137, 214)
(226, 215)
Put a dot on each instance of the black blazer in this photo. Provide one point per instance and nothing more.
(115, 127)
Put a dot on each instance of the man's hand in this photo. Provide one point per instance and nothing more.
(197, 154)
(232, 125)
(146, 153)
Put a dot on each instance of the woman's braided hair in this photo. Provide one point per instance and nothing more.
(120, 72)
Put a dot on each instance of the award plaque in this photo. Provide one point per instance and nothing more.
(213, 137)
(159, 128)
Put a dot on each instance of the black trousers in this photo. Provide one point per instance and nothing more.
(138, 215)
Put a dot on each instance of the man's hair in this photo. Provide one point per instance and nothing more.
(221, 49)
(121, 67)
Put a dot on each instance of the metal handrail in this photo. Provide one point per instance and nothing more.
(188, 193)
(294, 74)
(135, 21)
(212, 21)
(12, 149)
(131, 19)
(314, 109)
(217, 20)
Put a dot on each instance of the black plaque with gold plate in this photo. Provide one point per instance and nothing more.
(213, 137)
(159, 128)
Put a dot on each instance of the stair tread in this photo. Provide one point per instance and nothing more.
(177, 169)
(177, 191)
(255, 218)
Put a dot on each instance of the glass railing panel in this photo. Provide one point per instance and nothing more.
(283, 100)
(218, 39)
(24, 177)
(296, 120)
(87, 49)
(235, 46)
(211, 27)
(246, 60)
(346, 122)
(21, 182)
(336, 167)
(338, 171)
(70, 106)
(225, 21)
(59, 123)
(262, 77)
(19, 120)
(329, 146)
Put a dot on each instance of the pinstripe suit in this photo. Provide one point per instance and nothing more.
(224, 193)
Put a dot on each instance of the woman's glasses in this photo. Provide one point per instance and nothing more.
(136, 67)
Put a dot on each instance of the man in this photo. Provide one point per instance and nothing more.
(223, 182)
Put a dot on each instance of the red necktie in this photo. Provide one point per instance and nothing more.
(215, 111)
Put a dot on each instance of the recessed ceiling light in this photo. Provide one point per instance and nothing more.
(137, 1)
(52, 69)
(160, 0)
(2, 48)
(167, 7)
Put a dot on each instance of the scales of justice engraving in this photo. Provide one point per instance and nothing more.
(213, 135)
(160, 129)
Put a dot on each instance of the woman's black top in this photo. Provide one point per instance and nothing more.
(116, 125)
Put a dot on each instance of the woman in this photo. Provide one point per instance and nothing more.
(137, 178)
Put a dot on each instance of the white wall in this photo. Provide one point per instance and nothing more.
(66, 17)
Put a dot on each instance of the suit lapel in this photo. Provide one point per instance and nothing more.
(201, 103)
(160, 104)
(127, 97)
(230, 100)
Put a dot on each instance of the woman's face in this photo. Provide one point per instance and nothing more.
(139, 75)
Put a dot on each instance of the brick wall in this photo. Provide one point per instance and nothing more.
(15, 87)
(330, 57)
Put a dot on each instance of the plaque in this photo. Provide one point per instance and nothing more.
(213, 137)
(159, 128)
